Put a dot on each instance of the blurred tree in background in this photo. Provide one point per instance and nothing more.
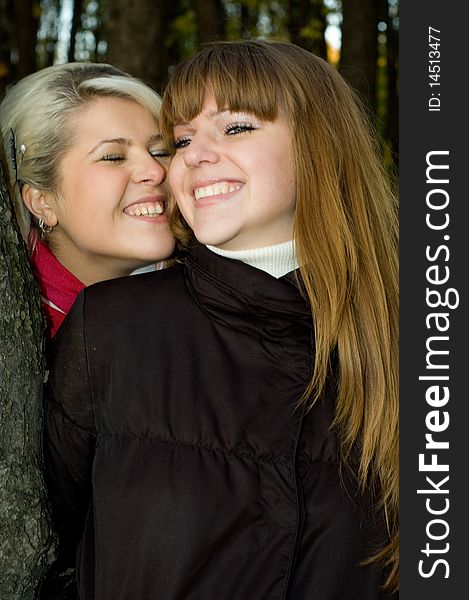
(146, 37)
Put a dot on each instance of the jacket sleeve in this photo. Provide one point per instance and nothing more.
(69, 433)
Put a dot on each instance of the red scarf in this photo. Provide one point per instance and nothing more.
(58, 286)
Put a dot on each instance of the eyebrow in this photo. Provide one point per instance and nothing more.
(216, 113)
(157, 137)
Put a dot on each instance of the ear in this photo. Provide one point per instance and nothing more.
(41, 204)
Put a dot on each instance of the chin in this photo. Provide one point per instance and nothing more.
(161, 252)
(212, 239)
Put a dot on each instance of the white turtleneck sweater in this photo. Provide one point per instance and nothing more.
(277, 260)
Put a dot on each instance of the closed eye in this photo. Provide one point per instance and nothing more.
(160, 153)
(113, 158)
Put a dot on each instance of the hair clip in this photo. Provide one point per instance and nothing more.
(22, 150)
(13, 153)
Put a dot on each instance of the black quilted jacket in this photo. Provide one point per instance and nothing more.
(178, 464)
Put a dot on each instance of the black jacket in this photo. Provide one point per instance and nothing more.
(176, 457)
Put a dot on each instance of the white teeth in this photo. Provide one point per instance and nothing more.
(215, 190)
(145, 210)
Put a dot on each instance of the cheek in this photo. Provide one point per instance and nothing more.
(175, 174)
(284, 173)
(185, 209)
(76, 190)
(272, 175)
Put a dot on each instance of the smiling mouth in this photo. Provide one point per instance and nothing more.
(218, 189)
(146, 209)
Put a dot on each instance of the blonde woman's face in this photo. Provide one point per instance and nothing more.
(233, 178)
(113, 216)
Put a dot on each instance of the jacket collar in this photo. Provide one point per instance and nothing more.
(230, 285)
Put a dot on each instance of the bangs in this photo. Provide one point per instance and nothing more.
(240, 82)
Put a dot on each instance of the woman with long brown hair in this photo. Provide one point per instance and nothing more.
(246, 447)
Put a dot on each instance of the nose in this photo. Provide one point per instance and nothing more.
(150, 171)
(200, 150)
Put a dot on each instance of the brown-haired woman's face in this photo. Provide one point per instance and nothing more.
(233, 178)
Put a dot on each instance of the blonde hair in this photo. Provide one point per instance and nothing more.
(34, 121)
(345, 235)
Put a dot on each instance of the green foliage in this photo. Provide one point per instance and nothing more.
(312, 30)
(183, 33)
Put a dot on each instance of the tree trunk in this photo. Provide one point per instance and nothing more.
(359, 50)
(210, 18)
(136, 35)
(26, 541)
(6, 37)
(306, 23)
(75, 25)
(26, 33)
(248, 21)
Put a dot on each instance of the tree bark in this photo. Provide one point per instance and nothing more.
(359, 50)
(136, 35)
(26, 542)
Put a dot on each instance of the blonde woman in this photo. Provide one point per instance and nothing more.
(86, 168)
(255, 454)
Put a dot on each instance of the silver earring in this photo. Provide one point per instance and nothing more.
(44, 228)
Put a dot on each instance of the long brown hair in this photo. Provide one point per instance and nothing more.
(345, 236)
